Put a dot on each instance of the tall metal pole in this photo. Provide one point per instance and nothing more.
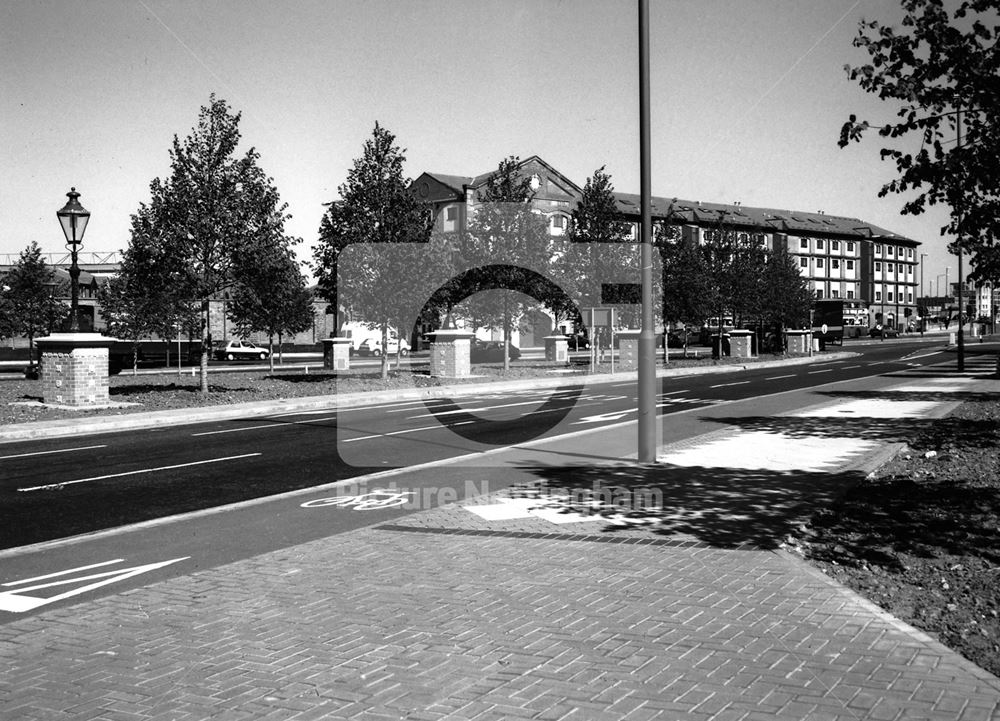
(647, 339)
(958, 244)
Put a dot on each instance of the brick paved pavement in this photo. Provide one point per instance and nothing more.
(508, 620)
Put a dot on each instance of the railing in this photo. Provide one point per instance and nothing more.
(84, 258)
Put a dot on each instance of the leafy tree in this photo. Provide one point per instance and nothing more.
(28, 299)
(689, 296)
(214, 206)
(941, 70)
(145, 297)
(787, 298)
(506, 236)
(373, 251)
(270, 295)
(601, 249)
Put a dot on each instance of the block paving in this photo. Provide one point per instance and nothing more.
(443, 615)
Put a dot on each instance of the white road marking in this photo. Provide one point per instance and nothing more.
(774, 378)
(723, 385)
(261, 426)
(44, 453)
(19, 602)
(825, 370)
(68, 571)
(134, 473)
(399, 433)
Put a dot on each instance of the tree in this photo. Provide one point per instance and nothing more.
(506, 236)
(689, 296)
(944, 73)
(28, 298)
(373, 256)
(270, 295)
(145, 296)
(214, 206)
(602, 250)
(787, 298)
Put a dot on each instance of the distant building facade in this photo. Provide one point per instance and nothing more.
(841, 257)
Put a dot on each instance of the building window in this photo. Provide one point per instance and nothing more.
(819, 262)
(878, 296)
(888, 297)
(888, 267)
(850, 265)
(451, 213)
(834, 245)
(909, 253)
(850, 247)
(850, 295)
(878, 249)
(819, 293)
(804, 262)
(557, 224)
(878, 267)
(819, 245)
(835, 264)
(834, 293)
(909, 297)
(804, 243)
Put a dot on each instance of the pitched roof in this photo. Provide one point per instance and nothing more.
(795, 222)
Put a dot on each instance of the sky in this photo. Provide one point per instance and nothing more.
(747, 101)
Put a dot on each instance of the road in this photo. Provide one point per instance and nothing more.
(431, 453)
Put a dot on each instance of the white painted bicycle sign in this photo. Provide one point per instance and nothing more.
(379, 498)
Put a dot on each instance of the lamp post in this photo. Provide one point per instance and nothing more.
(923, 318)
(73, 218)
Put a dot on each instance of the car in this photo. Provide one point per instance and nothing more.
(373, 347)
(883, 331)
(577, 341)
(239, 350)
(491, 351)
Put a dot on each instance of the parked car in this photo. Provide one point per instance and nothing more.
(239, 350)
(577, 341)
(883, 331)
(491, 351)
(373, 347)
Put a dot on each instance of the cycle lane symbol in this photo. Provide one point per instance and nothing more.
(379, 498)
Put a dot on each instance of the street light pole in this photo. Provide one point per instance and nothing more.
(923, 318)
(73, 218)
(958, 247)
(647, 340)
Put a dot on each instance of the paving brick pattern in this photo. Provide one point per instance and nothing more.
(505, 623)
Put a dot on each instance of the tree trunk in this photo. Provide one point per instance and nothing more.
(205, 348)
(385, 356)
(270, 352)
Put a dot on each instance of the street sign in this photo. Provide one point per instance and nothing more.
(597, 317)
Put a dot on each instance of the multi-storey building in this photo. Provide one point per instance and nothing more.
(841, 257)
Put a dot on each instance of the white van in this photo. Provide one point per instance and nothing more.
(359, 333)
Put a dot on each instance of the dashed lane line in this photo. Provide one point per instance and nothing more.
(45, 453)
(51, 486)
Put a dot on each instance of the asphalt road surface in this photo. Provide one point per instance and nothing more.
(322, 473)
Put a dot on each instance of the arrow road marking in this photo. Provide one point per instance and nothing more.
(19, 601)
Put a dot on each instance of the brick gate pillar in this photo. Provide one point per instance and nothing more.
(74, 369)
(451, 352)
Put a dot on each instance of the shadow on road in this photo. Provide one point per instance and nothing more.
(722, 507)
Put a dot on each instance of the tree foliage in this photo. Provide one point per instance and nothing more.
(943, 72)
(602, 249)
(27, 298)
(506, 235)
(269, 295)
(373, 257)
(689, 296)
(215, 207)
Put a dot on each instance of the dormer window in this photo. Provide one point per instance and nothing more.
(557, 224)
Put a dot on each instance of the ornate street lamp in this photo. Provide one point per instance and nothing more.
(73, 217)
